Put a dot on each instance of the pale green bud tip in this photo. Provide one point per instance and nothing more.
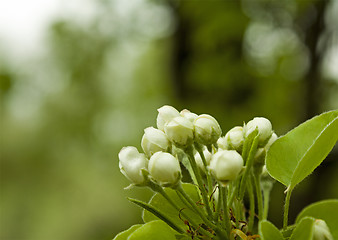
(207, 129)
(216, 193)
(199, 160)
(235, 138)
(180, 131)
(154, 140)
(272, 139)
(131, 163)
(321, 231)
(222, 143)
(188, 115)
(164, 168)
(263, 125)
(225, 165)
(265, 172)
(165, 114)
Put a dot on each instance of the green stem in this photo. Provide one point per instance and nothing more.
(209, 181)
(259, 196)
(266, 194)
(221, 197)
(223, 191)
(204, 193)
(248, 167)
(160, 190)
(219, 204)
(232, 195)
(237, 213)
(286, 208)
(194, 207)
(218, 231)
(251, 220)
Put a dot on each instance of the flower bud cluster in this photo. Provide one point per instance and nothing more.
(216, 155)
(181, 129)
(235, 138)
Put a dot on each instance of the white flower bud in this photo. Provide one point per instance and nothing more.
(222, 143)
(164, 168)
(188, 115)
(154, 140)
(321, 231)
(180, 131)
(199, 161)
(165, 114)
(207, 129)
(225, 165)
(131, 163)
(272, 139)
(235, 138)
(264, 128)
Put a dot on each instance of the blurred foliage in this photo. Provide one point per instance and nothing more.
(65, 114)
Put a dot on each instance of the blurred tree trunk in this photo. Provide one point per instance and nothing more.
(313, 33)
(180, 53)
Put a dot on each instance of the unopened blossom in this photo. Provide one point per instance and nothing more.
(154, 140)
(321, 231)
(165, 115)
(225, 165)
(188, 115)
(180, 131)
(263, 126)
(207, 129)
(131, 164)
(235, 138)
(164, 168)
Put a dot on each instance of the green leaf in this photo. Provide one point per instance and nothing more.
(326, 210)
(125, 234)
(268, 231)
(295, 155)
(154, 230)
(161, 203)
(157, 213)
(304, 229)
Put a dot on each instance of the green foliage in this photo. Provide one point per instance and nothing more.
(326, 210)
(160, 202)
(125, 234)
(294, 156)
(153, 230)
(158, 213)
(303, 230)
(268, 231)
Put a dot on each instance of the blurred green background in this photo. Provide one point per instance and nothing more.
(71, 101)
